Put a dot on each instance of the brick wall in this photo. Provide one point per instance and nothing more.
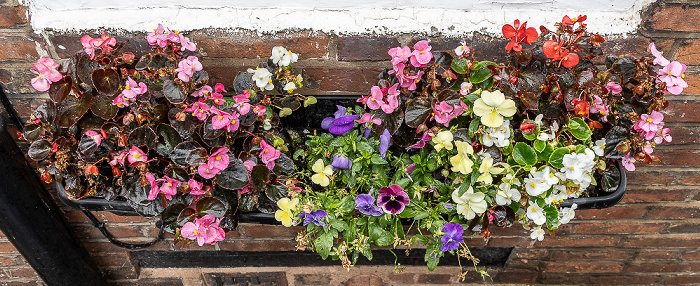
(652, 236)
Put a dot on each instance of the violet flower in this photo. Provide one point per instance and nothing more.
(384, 140)
(314, 217)
(340, 123)
(365, 204)
(341, 162)
(393, 199)
(453, 236)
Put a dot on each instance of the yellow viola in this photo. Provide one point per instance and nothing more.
(461, 162)
(443, 140)
(487, 169)
(322, 173)
(284, 214)
(492, 107)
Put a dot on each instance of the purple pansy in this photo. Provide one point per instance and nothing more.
(365, 204)
(314, 217)
(384, 140)
(340, 123)
(341, 162)
(393, 199)
(453, 236)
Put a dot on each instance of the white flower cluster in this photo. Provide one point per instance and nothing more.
(578, 167)
(499, 136)
(541, 181)
(283, 57)
(262, 78)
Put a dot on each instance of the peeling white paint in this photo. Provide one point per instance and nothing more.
(337, 16)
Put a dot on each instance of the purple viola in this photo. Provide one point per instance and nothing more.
(314, 217)
(340, 122)
(393, 199)
(365, 204)
(453, 236)
(384, 140)
(341, 162)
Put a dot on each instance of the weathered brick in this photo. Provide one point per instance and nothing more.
(12, 16)
(224, 74)
(351, 79)
(691, 255)
(689, 53)
(655, 195)
(680, 156)
(673, 213)
(655, 255)
(7, 261)
(627, 211)
(18, 48)
(582, 267)
(661, 267)
(89, 231)
(485, 48)
(273, 231)
(7, 247)
(435, 279)
(563, 278)
(645, 178)
(590, 254)
(618, 228)
(579, 241)
(69, 44)
(693, 80)
(663, 242)
(151, 282)
(365, 48)
(364, 280)
(683, 228)
(530, 253)
(684, 135)
(636, 44)
(119, 273)
(508, 275)
(676, 18)
(312, 279)
(689, 279)
(496, 241)
(682, 111)
(403, 278)
(112, 259)
(618, 279)
(249, 44)
(26, 272)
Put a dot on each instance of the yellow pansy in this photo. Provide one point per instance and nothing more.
(322, 173)
(461, 162)
(487, 169)
(492, 107)
(443, 140)
(284, 214)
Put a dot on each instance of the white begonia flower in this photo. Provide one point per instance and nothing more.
(573, 166)
(506, 194)
(535, 185)
(492, 107)
(277, 53)
(469, 204)
(283, 57)
(487, 169)
(461, 162)
(262, 78)
(567, 214)
(267, 125)
(599, 148)
(443, 140)
(549, 177)
(537, 233)
(558, 195)
(536, 213)
(538, 119)
(290, 87)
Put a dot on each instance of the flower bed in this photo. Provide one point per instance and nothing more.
(453, 144)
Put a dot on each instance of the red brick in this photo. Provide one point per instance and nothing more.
(682, 111)
(591, 254)
(655, 255)
(7, 247)
(249, 44)
(110, 217)
(618, 228)
(364, 280)
(435, 279)
(690, 279)
(692, 179)
(636, 45)
(582, 267)
(365, 48)
(693, 80)
(683, 228)
(135, 43)
(673, 213)
(350, 79)
(676, 18)
(89, 231)
(684, 135)
(655, 196)
(689, 53)
(626, 211)
(273, 231)
(662, 267)
(312, 279)
(508, 231)
(579, 241)
(258, 245)
(7, 261)
(645, 178)
(685, 157)
(112, 259)
(17, 48)
(12, 16)
(151, 282)
(120, 273)
(496, 241)
(508, 275)
(692, 255)
(563, 278)
(26, 272)
(623, 279)
(664, 242)
(402, 278)
(530, 253)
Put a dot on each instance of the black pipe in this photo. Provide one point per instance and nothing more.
(34, 224)
(601, 202)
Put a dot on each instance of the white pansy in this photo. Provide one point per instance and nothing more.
(537, 233)
(469, 204)
(566, 214)
(536, 213)
(262, 78)
(507, 194)
(599, 147)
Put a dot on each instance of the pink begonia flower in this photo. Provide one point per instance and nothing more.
(200, 110)
(219, 159)
(216, 96)
(120, 101)
(649, 124)
(234, 124)
(96, 137)
(158, 37)
(187, 44)
(153, 194)
(205, 230)
(392, 99)
(664, 136)
(187, 67)
(465, 87)
(673, 75)
(462, 50)
(648, 148)
(207, 171)
(628, 162)
(659, 58)
(136, 155)
(269, 154)
(367, 118)
(399, 55)
(132, 88)
(220, 119)
(376, 98)
(104, 42)
(195, 188)
(259, 110)
(242, 103)
(444, 112)
(407, 81)
(613, 87)
(45, 68)
(421, 55)
(169, 187)
(427, 136)
(249, 167)
(203, 92)
(597, 106)
(118, 159)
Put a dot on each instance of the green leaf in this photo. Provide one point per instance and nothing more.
(481, 72)
(460, 65)
(611, 180)
(473, 126)
(579, 129)
(338, 225)
(367, 252)
(378, 160)
(309, 101)
(544, 155)
(557, 157)
(380, 236)
(552, 215)
(338, 142)
(524, 154)
(324, 243)
(539, 145)
(347, 205)
(285, 112)
(212, 206)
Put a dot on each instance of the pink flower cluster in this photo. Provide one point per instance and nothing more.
(269, 154)
(168, 186)
(650, 127)
(220, 119)
(161, 36)
(205, 230)
(129, 93)
(598, 106)
(45, 69)
(217, 162)
(445, 112)
(187, 67)
(672, 73)
(649, 124)
(377, 99)
(419, 57)
(104, 42)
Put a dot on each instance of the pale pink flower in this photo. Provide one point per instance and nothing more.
(376, 98)
(628, 162)
(203, 92)
(421, 55)
(259, 110)
(136, 155)
(462, 50)
(153, 194)
(663, 136)
(242, 103)
(392, 99)
(465, 87)
(649, 124)
(399, 55)
(234, 124)
(158, 37)
(205, 230)
(207, 171)
(132, 88)
(367, 118)
(648, 148)
(220, 119)
(187, 67)
(613, 87)
(187, 44)
(200, 110)
(118, 159)
(673, 75)
(169, 187)
(96, 137)
(659, 58)
(269, 154)
(45, 69)
(104, 42)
